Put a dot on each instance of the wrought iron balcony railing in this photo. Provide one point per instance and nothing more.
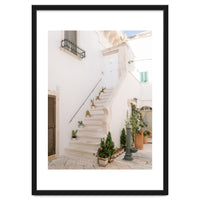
(73, 48)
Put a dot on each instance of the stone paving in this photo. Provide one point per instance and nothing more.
(141, 160)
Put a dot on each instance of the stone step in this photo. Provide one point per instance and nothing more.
(104, 98)
(101, 101)
(94, 123)
(96, 109)
(97, 112)
(100, 104)
(93, 117)
(90, 136)
(106, 94)
(92, 129)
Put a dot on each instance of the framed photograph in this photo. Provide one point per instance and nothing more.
(100, 100)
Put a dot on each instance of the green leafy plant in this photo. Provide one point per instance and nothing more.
(92, 101)
(147, 132)
(102, 150)
(103, 88)
(123, 138)
(88, 113)
(74, 132)
(122, 38)
(98, 97)
(80, 123)
(136, 120)
(110, 145)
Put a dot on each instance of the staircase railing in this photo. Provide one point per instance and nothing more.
(85, 100)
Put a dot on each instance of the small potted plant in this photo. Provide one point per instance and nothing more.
(74, 132)
(81, 124)
(102, 154)
(146, 133)
(88, 113)
(93, 105)
(102, 90)
(98, 97)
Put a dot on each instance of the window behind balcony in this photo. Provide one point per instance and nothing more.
(143, 77)
(71, 36)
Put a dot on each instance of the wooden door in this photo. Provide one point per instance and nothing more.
(51, 126)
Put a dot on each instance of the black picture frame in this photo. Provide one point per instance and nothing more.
(36, 8)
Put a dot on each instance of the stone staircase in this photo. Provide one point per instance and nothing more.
(89, 137)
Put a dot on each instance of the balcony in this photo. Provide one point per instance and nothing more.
(73, 48)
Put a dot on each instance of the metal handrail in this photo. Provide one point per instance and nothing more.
(73, 48)
(85, 100)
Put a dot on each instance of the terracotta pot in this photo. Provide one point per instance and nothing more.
(103, 161)
(145, 139)
(139, 141)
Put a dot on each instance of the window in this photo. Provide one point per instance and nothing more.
(143, 77)
(71, 36)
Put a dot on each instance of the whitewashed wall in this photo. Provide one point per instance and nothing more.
(74, 79)
(129, 89)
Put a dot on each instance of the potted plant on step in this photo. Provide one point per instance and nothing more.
(93, 105)
(137, 123)
(81, 124)
(110, 146)
(74, 132)
(146, 133)
(102, 90)
(88, 113)
(102, 154)
(123, 139)
(98, 97)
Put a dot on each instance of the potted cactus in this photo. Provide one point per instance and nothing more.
(81, 124)
(93, 105)
(74, 132)
(88, 113)
(102, 90)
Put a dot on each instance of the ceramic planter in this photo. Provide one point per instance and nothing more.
(139, 141)
(88, 115)
(73, 137)
(145, 139)
(103, 161)
(92, 106)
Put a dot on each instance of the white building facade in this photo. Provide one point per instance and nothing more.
(76, 75)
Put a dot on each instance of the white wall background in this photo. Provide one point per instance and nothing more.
(16, 169)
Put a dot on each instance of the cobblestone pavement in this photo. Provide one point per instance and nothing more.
(141, 160)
